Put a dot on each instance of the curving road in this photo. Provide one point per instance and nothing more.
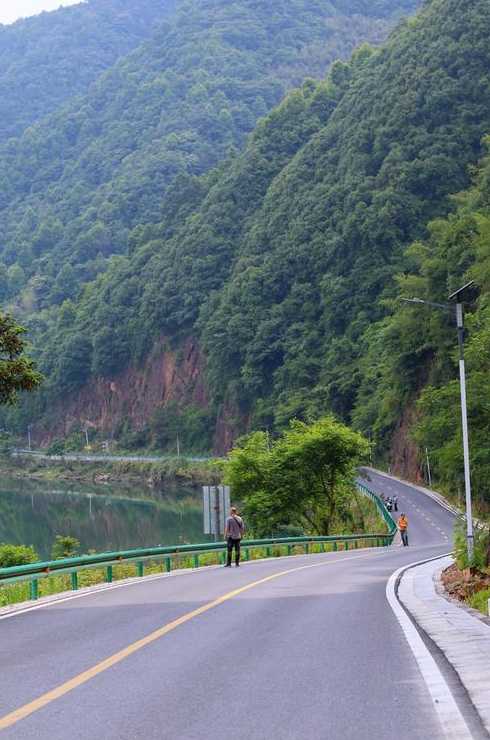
(312, 651)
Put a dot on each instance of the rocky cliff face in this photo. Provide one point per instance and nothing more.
(166, 375)
(404, 453)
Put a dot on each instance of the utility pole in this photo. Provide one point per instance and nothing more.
(178, 445)
(428, 467)
(29, 426)
(457, 298)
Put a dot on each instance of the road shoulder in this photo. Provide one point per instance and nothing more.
(462, 637)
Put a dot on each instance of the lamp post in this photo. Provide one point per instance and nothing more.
(456, 299)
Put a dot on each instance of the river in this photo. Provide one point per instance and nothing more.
(103, 517)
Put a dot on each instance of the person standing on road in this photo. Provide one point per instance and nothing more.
(234, 530)
(403, 527)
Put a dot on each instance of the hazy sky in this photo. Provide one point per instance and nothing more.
(10, 10)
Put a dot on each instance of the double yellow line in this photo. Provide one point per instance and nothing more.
(27, 709)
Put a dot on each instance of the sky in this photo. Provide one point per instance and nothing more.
(11, 10)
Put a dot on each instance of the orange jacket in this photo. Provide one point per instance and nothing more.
(402, 522)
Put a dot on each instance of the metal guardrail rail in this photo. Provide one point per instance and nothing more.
(33, 572)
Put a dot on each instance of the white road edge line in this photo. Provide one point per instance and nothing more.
(451, 719)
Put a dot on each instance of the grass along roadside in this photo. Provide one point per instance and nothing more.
(15, 593)
(480, 601)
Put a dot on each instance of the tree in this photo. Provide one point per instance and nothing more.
(302, 478)
(17, 372)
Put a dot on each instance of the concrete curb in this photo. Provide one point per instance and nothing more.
(464, 639)
(452, 721)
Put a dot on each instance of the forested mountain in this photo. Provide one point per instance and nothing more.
(266, 288)
(74, 186)
(409, 370)
(49, 58)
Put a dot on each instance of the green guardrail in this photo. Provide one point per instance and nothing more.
(33, 572)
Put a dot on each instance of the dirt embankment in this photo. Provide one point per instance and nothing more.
(464, 585)
(167, 375)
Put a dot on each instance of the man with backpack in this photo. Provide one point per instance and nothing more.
(234, 530)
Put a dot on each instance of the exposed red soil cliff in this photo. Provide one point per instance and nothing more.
(167, 375)
(404, 453)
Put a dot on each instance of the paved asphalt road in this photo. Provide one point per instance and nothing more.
(315, 653)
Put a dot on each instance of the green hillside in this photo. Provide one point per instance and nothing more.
(414, 350)
(49, 58)
(284, 263)
(75, 185)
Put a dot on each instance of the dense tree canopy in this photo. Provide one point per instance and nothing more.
(49, 58)
(75, 184)
(411, 356)
(303, 479)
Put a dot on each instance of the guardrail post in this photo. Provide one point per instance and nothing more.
(246, 553)
(322, 547)
(356, 544)
(307, 548)
(74, 581)
(168, 564)
(290, 549)
(268, 552)
(335, 546)
(34, 589)
(222, 557)
(140, 568)
(108, 574)
(346, 545)
(196, 561)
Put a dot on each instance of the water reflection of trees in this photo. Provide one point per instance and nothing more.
(102, 517)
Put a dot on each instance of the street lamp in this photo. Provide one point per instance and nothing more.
(456, 299)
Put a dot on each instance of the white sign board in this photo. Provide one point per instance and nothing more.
(216, 505)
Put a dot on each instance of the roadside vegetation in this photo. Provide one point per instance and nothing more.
(469, 581)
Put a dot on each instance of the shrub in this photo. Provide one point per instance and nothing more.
(57, 447)
(64, 546)
(11, 555)
(479, 560)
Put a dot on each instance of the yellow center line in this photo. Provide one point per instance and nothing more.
(27, 709)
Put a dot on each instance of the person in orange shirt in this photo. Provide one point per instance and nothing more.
(403, 527)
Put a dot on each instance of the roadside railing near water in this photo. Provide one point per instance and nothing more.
(167, 558)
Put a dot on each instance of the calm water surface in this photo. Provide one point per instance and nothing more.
(102, 517)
